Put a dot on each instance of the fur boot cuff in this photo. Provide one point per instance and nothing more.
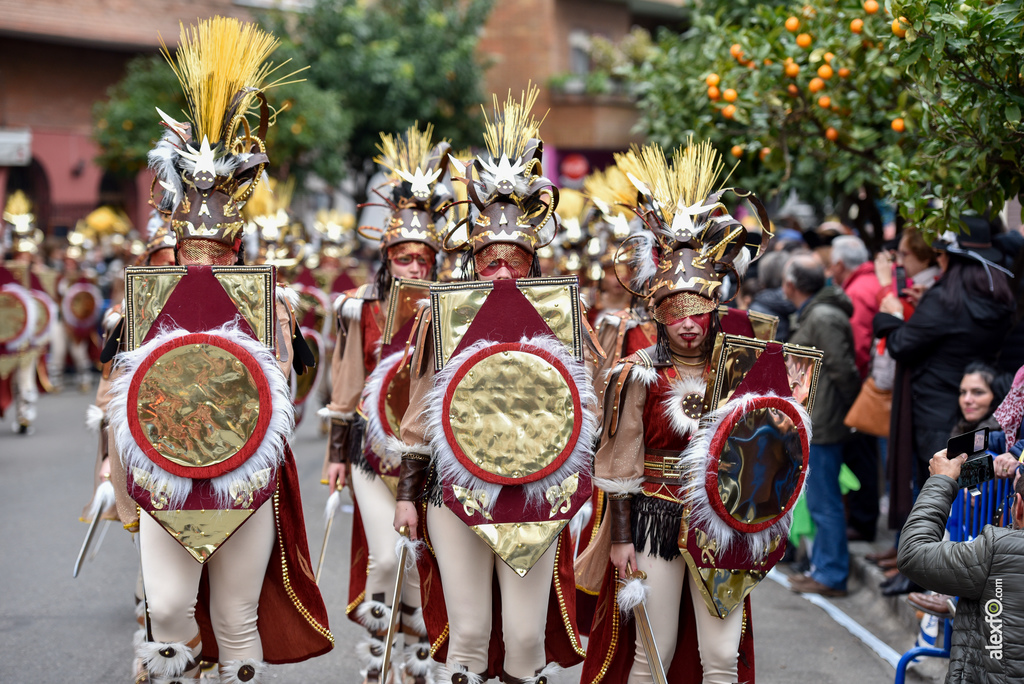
(248, 671)
(375, 616)
(166, 659)
(453, 673)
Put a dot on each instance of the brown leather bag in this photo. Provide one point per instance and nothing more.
(871, 410)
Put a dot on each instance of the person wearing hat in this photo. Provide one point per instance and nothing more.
(365, 370)
(667, 534)
(497, 441)
(199, 408)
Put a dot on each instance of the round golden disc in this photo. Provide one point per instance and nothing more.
(43, 318)
(198, 405)
(12, 316)
(83, 305)
(512, 414)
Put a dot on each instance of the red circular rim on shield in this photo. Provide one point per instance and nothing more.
(467, 366)
(715, 449)
(251, 444)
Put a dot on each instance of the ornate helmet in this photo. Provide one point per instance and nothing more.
(511, 200)
(696, 243)
(25, 237)
(272, 235)
(613, 196)
(210, 165)
(158, 234)
(335, 230)
(574, 214)
(415, 192)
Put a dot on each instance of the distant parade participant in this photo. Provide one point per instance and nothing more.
(497, 441)
(369, 374)
(27, 314)
(199, 407)
(699, 497)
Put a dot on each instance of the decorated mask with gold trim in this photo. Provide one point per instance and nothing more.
(415, 192)
(511, 201)
(694, 242)
(209, 166)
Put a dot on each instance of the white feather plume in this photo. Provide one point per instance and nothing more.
(94, 418)
(332, 506)
(631, 594)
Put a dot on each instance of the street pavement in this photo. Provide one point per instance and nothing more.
(56, 629)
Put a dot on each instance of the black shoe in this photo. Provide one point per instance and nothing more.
(901, 585)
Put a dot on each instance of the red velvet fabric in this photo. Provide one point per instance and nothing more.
(358, 562)
(658, 432)
(767, 375)
(181, 311)
(342, 283)
(370, 326)
(506, 316)
(612, 647)
(736, 322)
(286, 635)
(561, 637)
(6, 394)
(637, 338)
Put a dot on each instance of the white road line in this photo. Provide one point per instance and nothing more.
(884, 651)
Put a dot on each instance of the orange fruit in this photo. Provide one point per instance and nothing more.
(870, 6)
(857, 25)
(828, 57)
(824, 101)
(792, 70)
(844, 72)
(815, 85)
(898, 125)
(825, 71)
(792, 24)
(897, 27)
(712, 80)
(736, 51)
(714, 93)
(729, 95)
(763, 154)
(729, 111)
(793, 90)
(737, 151)
(832, 134)
(804, 40)
(768, 62)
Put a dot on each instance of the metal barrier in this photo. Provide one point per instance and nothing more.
(967, 519)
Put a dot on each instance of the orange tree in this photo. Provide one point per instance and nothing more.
(806, 93)
(964, 61)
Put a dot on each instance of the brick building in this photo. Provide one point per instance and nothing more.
(58, 57)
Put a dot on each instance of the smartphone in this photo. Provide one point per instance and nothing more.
(900, 281)
(979, 467)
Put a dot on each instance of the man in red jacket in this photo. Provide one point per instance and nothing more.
(853, 270)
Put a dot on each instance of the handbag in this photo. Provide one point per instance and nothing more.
(871, 410)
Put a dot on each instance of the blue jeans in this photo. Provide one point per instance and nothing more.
(830, 556)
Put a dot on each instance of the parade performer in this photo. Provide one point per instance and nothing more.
(370, 374)
(199, 408)
(699, 496)
(502, 419)
(28, 315)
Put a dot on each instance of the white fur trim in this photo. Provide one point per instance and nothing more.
(140, 612)
(376, 438)
(643, 242)
(451, 668)
(396, 447)
(416, 665)
(618, 486)
(742, 262)
(94, 418)
(332, 505)
(365, 616)
(450, 470)
(229, 671)
(350, 308)
(549, 671)
(270, 453)
(25, 338)
(413, 550)
(328, 414)
(149, 653)
(415, 622)
(112, 317)
(682, 424)
(694, 466)
(645, 375)
(367, 658)
(287, 295)
(631, 594)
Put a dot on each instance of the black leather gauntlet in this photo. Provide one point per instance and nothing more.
(338, 444)
(412, 477)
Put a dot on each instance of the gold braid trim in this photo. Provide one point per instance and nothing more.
(615, 634)
(303, 611)
(573, 634)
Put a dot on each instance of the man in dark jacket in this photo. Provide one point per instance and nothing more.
(770, 299)
(986, 573)
(822, 320)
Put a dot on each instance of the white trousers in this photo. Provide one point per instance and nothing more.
(468, 566)
(171, 577)
(27, 395)
(718, 640)
(377, 509)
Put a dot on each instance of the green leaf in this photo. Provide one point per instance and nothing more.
(1013, 113)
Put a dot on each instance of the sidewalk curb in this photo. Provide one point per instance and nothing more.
(870, 576)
